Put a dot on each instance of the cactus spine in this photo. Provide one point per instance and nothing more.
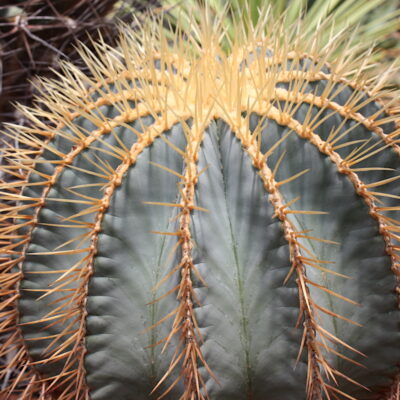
(174, 219)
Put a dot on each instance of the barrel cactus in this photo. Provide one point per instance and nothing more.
(191, 223)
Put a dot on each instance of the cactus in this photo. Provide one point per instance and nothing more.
(194, 224)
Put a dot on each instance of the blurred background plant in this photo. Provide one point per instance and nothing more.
(374, 23)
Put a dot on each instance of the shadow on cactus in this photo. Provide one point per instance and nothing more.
(191, 224)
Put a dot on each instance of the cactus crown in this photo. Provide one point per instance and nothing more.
(172, 221)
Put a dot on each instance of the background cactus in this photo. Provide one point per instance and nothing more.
(194, 224)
